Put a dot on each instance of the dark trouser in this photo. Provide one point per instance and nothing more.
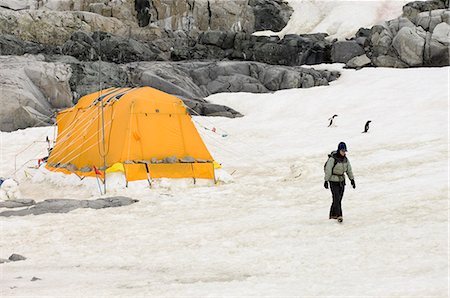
(337, 190)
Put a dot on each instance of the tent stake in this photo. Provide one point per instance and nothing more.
(148, 175)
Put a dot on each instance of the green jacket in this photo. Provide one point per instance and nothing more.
(342, 166)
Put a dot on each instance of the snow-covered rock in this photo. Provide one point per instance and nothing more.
(9, 190)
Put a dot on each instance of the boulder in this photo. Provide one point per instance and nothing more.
(441, 33)
(270, 15)
(409, 45)
(429, 20)
(435, 53)
(396, 24)
(16, 257)
(343, 51)
(359, 62)
(381, 40)
(388, 61)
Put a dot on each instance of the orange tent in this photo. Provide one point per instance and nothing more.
(148, 131)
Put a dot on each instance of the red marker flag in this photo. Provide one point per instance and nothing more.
(97, 171)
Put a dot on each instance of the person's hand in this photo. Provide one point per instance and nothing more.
(353, 183)
(325, 184)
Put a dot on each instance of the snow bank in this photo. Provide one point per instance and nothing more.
(339, 18)
(268, 233)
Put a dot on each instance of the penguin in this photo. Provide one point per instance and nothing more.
(366, 127)
(331, 120)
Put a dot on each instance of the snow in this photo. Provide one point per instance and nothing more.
(267, 233)
(263, 231)
(339, 18)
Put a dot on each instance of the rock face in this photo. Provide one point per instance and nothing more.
(421, 37)
(36, 86)
(137, 18)
(291, 50)
(31, 89)
(202, 15)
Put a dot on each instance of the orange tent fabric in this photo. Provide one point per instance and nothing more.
(147, 130)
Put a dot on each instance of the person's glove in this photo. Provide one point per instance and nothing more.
(353, 183)
(325, 184)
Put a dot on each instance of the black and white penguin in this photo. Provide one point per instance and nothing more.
(366, 127)
(331, 120)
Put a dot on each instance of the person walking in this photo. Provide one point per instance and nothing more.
(335, 168)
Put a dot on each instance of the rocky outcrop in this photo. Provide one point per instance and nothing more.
(67, 205)
(178, 46)
(419, 38)
(211, 45)
(413, 9)
(34, 87)
(201, 79)
(108, 47)
(270, 14)
(291, 50)
(31, 89)
(202, 15)
(56, 27)
(139, 19)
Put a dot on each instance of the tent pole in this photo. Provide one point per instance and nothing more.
(103, 113)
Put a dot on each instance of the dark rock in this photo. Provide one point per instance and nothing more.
(435, 53)
(81, 46)
(270, 14)
(16, 257)
(86, 78)
(218, 110)
(142, 8)
(412, 9)
(13, 45)
(17, 203)
(109, 47)
(343, 51)
(67, 205)
(363, 32)
(192, 81)
(35, 278)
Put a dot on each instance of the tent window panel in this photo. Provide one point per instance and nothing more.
(193, 142)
